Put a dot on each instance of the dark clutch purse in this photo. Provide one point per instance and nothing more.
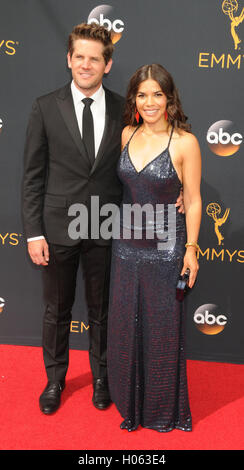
(182, 285)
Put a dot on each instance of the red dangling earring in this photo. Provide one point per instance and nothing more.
(166, 115)
(137, 116)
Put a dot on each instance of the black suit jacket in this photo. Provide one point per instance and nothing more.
(57, 171)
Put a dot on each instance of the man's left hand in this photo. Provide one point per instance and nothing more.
(180, 203)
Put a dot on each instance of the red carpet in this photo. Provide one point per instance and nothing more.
(216, 397)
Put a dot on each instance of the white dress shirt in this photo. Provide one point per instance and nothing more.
(98, 108)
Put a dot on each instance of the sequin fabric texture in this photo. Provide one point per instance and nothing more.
(146, 324)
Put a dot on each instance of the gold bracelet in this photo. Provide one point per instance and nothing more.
(192, 244)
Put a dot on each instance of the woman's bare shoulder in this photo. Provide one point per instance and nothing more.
(187, 139)
(126, 134)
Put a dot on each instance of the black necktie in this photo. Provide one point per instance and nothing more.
(88, 129)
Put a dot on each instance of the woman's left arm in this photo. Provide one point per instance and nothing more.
(191, 174)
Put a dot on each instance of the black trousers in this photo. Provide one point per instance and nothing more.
(59, 283)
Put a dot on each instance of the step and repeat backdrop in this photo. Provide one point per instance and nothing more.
(202, 44)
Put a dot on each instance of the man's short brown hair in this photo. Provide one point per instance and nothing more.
(95, 32)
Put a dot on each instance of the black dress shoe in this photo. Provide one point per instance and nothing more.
(50, 398)
(101, 397)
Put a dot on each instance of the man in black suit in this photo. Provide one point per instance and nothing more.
(72, 147)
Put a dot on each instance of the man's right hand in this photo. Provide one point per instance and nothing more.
(39, 252)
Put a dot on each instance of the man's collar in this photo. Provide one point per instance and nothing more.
(78, 95)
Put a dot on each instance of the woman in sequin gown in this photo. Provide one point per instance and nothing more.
(146, 323)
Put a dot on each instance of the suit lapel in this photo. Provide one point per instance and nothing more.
(110, 123)
(66, 107)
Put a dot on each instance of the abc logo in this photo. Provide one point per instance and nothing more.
(102, 15)
(2, 303)
(208, 320)
(222, 138)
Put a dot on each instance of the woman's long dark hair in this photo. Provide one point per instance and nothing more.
(157, 72)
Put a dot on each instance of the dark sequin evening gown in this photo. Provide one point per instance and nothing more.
(146, 352)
